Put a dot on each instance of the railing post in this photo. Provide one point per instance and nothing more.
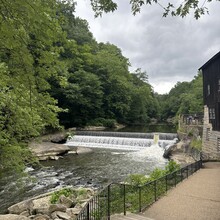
(155, 190)
(139, 189)
(87, 212)
(124, 199)
(108, 205)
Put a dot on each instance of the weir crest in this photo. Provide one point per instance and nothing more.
(121, 140)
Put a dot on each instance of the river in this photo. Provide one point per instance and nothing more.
(92, 169)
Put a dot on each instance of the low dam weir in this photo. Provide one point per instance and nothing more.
(121, 140)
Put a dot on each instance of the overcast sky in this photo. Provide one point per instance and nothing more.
(169, 49)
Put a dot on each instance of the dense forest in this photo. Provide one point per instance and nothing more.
(55, 74)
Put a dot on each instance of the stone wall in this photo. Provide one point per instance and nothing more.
(210, 140)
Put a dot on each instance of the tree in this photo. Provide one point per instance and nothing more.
(29, 57)
(184, 98)
(197, 7)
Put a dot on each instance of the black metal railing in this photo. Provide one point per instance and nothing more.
(120, 198)
(192, 119)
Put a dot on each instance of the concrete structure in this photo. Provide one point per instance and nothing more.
(211, 94)
(210, 140)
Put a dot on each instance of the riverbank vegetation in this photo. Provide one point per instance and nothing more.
(55, 74)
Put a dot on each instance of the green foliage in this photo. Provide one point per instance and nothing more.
(171, 167)
(196, 143)
(182, 9)
(14, 158)
(56, 195)
(82, 192)
(184, 98)
(137, 179)
(53, 69)
(140, 179)
(157, 173)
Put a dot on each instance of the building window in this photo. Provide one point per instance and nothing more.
(207, 134)
(219, 85)
(218, 144)
(208, 90)
(212, 113)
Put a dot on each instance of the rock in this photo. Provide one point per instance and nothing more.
(41, 217)
(45, 150)
(25, 213)
(54, 157)
(20, 207)
(57, 207)
(44, 211)
(168, 150)
(63, 215)
(13, 217)
(65, 201)
(43, 202)
(73, 211)
(53, 215)
(59, 138)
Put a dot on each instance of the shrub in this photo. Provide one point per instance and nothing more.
(171, 167)
(56, 195)
(196, 143)
(137, 179)
(157, 173)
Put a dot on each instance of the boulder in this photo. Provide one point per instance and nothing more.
(43, 211)
(41, 217)
(25, 213)
(13, 217)
(63, 215)
(73, 211)
(47, 150)
(66, 201)
(21, 207)
(57, 207)
(40, 203)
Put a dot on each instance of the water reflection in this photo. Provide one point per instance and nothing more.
(163, 127)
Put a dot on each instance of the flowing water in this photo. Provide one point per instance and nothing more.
(95, 168)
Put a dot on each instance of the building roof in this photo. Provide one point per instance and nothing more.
(209, 61)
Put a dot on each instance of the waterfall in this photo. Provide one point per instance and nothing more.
(162, 136)
(120, 140)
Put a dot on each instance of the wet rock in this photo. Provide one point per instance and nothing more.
(54, 157)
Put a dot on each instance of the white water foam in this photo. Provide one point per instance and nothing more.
(155, 152)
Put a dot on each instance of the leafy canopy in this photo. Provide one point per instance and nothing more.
(198, 8)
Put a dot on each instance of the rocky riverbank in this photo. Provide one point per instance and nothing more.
(182, 153)
(59, 205)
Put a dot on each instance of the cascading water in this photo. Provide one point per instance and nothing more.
(92, 169)
(122, 141)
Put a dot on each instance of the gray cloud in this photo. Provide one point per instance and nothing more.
(169, 49)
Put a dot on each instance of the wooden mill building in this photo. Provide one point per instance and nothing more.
(211, 94)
